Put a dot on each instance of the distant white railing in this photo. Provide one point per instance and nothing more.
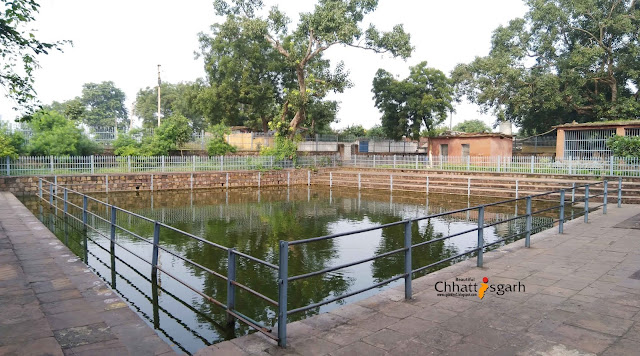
(612, 166)
(45, 165)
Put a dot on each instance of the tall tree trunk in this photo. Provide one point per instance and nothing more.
(301, 114)
(612, 81)
(265, 124)
(614, 91)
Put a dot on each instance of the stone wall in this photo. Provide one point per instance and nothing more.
(157, 181)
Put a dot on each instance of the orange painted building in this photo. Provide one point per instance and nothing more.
(471, 144)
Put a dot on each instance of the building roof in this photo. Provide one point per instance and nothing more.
(473, 135)
(600, 124)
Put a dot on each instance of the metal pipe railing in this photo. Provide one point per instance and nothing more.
(283, 257)
(407, 275)
(112, 221)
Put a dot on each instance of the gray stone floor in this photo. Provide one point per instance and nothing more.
(579, 299)
(52, 304)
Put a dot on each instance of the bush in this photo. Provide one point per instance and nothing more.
(55, 135)
(625, 146)
(126, 145)
(11, 144)
(173, 132)
(284, 149)
(218, 146)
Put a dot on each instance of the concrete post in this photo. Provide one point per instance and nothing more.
(407, 260)
(283, 281)
(480, 236)
(527, 236)
(561, 218)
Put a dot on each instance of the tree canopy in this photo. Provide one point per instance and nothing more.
(176, 99)
(472, 126)
(354, 130)
(245, 76)
(103, 105)
(299, 50)
(565, 60)
(420, 101)
(19, 51)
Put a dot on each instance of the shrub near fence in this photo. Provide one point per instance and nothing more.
(114, 164)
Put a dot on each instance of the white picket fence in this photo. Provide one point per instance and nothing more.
(613, 166)
(44, 165)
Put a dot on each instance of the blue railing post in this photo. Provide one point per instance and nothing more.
(113, 224)
(85, 205)
(154, 256)
(480, 235)
(40, 187)
(619, 192)
(407, 260)
(605, 197)
(8, 166)
(231, 288)
(561, 219)
(283, 276)
(573, 193)
(527, 236)
(586, 203)
(65, 197)
(50, 194)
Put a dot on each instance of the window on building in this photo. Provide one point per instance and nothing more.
(634, 131)
(444, 150)
(587, 144)
(465, 150)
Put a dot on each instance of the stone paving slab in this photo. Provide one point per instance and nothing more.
(52, 304)
(580, 298)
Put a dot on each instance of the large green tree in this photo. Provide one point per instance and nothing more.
(104, 105)
(245, 76)
(420, 101)
(176, 99)
(565, 60)
(331, 23)
(72, 109)
(19, 50)
(472, 126)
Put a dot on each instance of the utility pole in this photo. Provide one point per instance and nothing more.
(159, 82)
(133, 107)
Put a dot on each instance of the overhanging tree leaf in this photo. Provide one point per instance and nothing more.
(19, 51)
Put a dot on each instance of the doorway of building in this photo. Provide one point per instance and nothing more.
(465, 150)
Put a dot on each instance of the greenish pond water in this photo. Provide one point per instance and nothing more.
(254, 222)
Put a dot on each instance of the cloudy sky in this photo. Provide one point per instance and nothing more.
(124, 41)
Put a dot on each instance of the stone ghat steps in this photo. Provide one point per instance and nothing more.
(503, 187)
(493, 175)
(628, 184)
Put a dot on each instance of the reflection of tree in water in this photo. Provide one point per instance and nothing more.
(393, 239)
(281, 221)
